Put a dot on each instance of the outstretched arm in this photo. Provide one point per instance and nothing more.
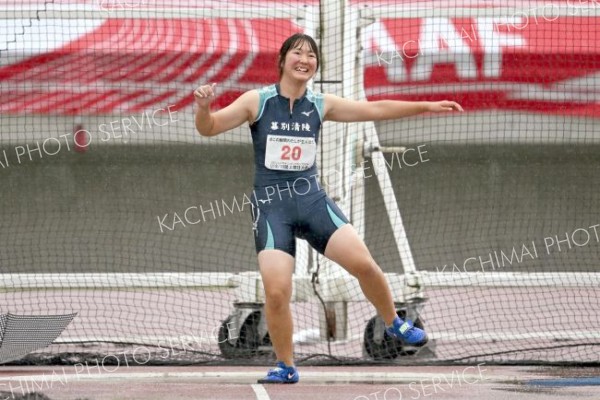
(344, 110)
(243, 109)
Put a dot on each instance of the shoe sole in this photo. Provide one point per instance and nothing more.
(420, 344)
(262, 382)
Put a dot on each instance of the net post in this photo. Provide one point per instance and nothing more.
(338, 51)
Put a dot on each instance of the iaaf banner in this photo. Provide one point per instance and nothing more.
(541, 64)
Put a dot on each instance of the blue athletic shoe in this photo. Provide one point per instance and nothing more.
(406, 332)
(281, 374)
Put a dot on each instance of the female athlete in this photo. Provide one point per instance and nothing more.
(285, 121)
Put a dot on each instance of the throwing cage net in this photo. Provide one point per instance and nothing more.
(485, 222)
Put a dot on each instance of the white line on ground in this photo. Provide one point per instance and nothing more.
(245, 378)
(441, 335)
(261, 393)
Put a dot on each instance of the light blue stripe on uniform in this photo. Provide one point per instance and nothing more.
(270, 240)
(264, 94)
(336, 220)
(318, 100)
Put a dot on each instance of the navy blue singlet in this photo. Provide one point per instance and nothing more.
(288, 201)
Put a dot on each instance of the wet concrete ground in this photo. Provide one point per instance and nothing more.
(317, 383)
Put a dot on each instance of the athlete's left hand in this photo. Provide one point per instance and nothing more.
(444, 105)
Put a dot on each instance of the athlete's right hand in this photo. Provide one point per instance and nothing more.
(204, 95)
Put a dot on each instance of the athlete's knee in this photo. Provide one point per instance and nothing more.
(277, 298)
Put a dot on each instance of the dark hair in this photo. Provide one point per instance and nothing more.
(291, 43)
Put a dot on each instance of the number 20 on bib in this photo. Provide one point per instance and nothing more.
(290, 153)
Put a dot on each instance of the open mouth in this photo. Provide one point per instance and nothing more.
(300, 69)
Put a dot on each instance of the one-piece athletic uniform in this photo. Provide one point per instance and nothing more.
(288, 201)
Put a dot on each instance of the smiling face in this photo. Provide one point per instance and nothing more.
(298, 58)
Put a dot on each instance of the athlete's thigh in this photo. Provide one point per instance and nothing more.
(347, 249)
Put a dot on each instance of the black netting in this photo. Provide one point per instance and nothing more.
(114, 208)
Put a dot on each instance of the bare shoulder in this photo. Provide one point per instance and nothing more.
(249, 100)
(242, 109)
(250, 96)
(329, 103)
(329, 98)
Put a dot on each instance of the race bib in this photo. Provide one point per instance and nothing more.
(290, 153)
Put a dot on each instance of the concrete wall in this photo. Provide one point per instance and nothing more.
(100, 211)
